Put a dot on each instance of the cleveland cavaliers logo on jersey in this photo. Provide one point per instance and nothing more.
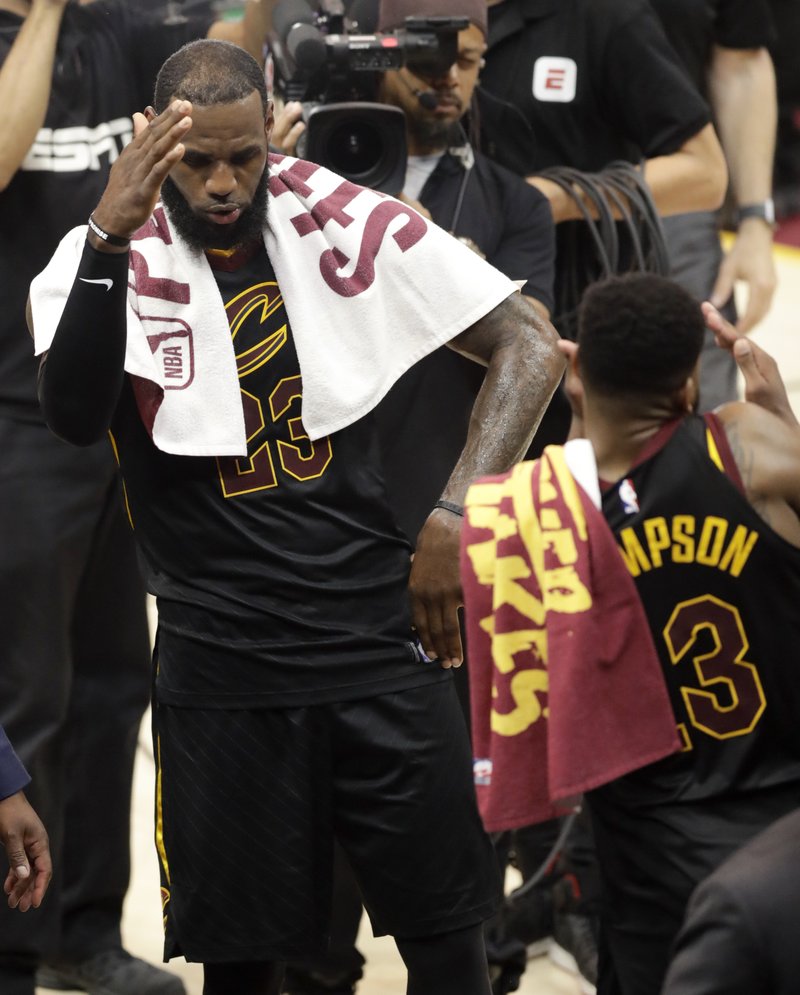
(555, 79)
(261, 301)
(628, 497)
(170, 341)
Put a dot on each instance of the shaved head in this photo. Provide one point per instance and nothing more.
(208, 72)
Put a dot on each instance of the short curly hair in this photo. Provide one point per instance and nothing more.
(209, 72)
(639, 334)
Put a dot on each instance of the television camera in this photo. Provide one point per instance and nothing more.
(330, 61)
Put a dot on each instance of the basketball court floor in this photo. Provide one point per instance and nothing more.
(384, 973)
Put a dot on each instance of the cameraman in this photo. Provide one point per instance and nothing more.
(503, 218)
(506, 221)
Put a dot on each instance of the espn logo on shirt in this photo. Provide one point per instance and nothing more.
(555, 79)
(78, 149)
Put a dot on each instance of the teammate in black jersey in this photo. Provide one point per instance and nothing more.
(293, 700)
(705, 511)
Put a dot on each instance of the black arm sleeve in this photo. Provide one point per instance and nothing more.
(81, 376)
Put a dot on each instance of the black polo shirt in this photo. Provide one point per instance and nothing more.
(582, 83)
(508, 220)
(423, 421)
(693, 26)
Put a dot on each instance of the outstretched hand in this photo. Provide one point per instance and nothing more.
(763, 384)
(134, 184)
(28, 849)
(435, 588)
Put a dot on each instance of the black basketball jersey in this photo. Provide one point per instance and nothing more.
(280, 576)
(721, 590)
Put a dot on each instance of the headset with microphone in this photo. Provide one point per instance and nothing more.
(428, 99)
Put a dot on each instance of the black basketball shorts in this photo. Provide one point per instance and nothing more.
(249, 803)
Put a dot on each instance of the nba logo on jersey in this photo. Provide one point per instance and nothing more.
(628, 497)
(555, 79)
(482, 770)
(170, 341)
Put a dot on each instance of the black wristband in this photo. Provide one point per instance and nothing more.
(121, 243)
(455, 509)
(765, 210)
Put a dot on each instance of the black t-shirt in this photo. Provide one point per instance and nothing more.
(106, 63)
(693, 26)
(582, 83)
(508, 220)
(281, 576)
(423, 420)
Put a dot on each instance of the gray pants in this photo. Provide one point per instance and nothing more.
(695, 253)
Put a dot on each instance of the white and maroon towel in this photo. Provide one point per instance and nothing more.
(566, 688)
(370, 288)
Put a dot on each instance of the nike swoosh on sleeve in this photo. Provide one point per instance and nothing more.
(105, 282)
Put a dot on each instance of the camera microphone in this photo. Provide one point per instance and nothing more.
(293, 22)
(305, 44)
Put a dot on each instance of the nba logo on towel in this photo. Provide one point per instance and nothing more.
(170, 341)
(482, 770)
(628, 497)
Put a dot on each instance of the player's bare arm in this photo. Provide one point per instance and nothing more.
(767, 453)
(524, 367)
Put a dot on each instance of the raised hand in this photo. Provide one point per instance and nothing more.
(134, 185)
(763, 384)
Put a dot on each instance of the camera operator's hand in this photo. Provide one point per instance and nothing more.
(288, 128)
(134, 185)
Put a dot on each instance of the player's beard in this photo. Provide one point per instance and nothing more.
(201, 234)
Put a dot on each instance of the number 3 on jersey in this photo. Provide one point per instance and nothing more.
(730, 699)
(299, 458)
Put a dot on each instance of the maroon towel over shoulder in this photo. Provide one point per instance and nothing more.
(566, 686)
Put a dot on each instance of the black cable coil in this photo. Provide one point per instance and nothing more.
(620, 232)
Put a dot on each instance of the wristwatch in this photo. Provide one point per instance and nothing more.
(764, 209)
